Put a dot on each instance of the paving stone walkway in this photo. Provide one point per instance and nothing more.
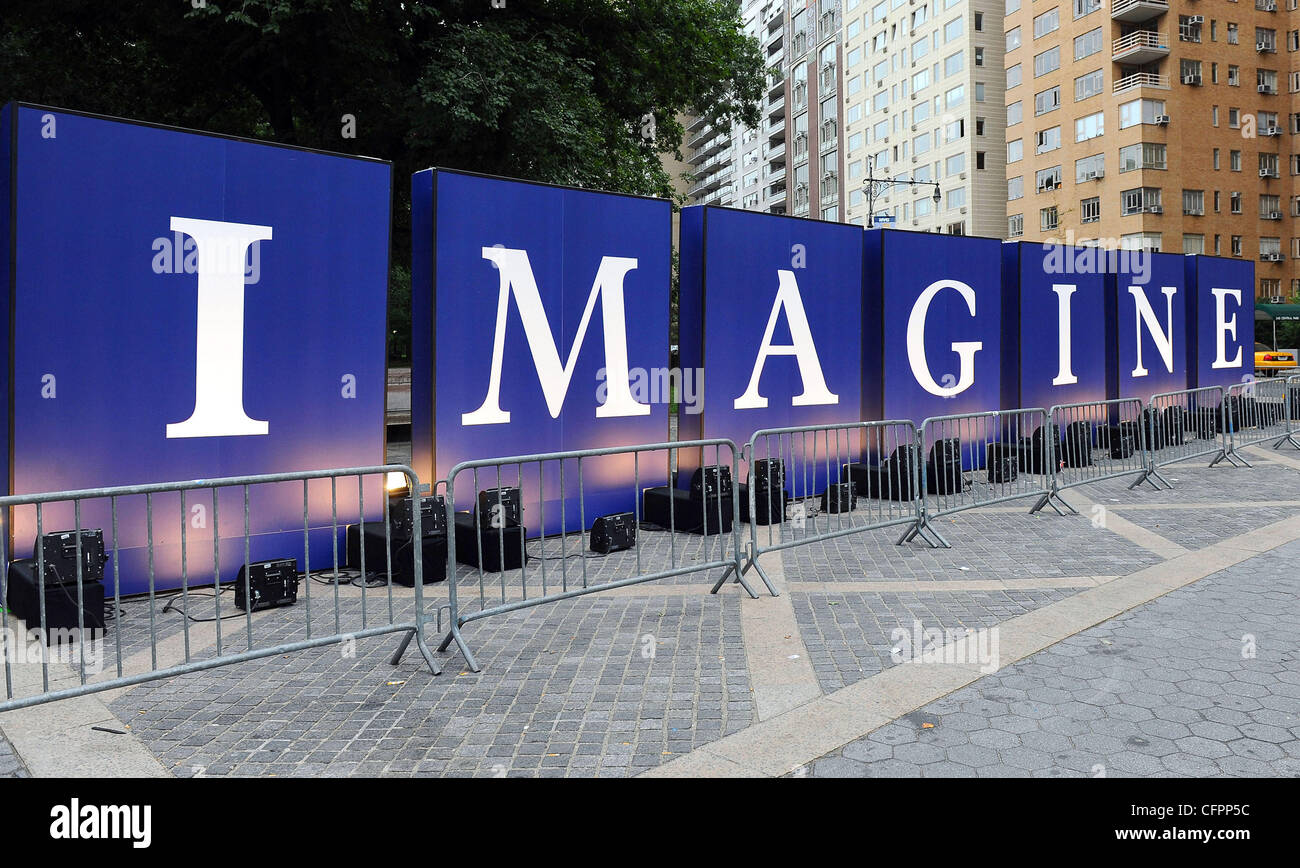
(623, 682)
(1204, 681)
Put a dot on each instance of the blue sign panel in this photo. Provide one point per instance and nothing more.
(933, 305)
(192, 306)
(1221, 321)
(772, 310)
(540, 324)
(1150, 324)
(1054, 317)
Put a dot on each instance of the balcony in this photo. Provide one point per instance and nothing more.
(1141, 79)
(776, 175)
(775, 151)
(1140, 47)
(1135, 11)
(712, 181)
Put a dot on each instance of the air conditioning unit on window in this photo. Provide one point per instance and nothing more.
(1262, 46)
(1271, 257)
(1155, 209)
(1271, 131)
(1275, 215)
(1264, 88)
(1193, 79)
(1162, 120)
(1195, 19)
(1277, 299)
(1268, 173)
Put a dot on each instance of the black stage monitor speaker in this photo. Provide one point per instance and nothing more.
(433, 515)
(500, 508)
(613, 533)
(711, 482)
(1077, 447)
(837, 498)
(943, 469)
(433, 554)
(673, 508)
(1001, 462)
(269, 584)
(60, 553)
(502, 548)
(60, 600)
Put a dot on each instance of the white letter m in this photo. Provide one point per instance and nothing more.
(517, 274)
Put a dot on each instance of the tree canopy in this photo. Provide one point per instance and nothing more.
(548, 90)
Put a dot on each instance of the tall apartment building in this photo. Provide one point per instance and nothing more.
(815, 58)
(745, 167)
(1158, 125)
(923, 100)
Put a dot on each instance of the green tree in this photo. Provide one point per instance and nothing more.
(549, 90)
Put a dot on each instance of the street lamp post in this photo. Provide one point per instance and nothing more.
(874, 187)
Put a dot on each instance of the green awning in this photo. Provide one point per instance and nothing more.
(1277, 311)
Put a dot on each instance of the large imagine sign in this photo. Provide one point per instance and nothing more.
(933, 309)
(771, 308)
(1221, 321)
(187, 306)
(539, 324)
(1054, 302)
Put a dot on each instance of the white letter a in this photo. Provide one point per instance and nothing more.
(801, 347)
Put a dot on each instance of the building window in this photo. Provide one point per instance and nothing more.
(1046, 23)
(1089, 127)
(1048, 61)
(1015, 225)
(1088, 85)
(1013, 39)
(1193, 244)
(1089, 168)
(1236, 245)
(1194, 203)
(1139, 200)
(1087, 44)
(1048, 140)
(1090, 210)
(1144, 155)
(1048, 219)
(1015, 188)
(1047, 101)
(1234, 202)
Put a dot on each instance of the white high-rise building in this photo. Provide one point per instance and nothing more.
(745, 167)
(923, 86)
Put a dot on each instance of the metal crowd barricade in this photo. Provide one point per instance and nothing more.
(1093, 441)
(1183, 425)
(979, 459)
(1256, 412)
(364, 611)
(547, 483)
(820, 482)
(1293, 405)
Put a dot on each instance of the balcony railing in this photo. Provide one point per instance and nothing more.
(1142, 46)
(1142, 79)
(1137, 10)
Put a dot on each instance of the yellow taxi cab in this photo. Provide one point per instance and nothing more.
(1272, 361)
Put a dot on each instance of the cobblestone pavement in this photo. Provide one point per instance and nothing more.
(1204, 681)
(10, 765)
(619, 683)
(848, 635)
